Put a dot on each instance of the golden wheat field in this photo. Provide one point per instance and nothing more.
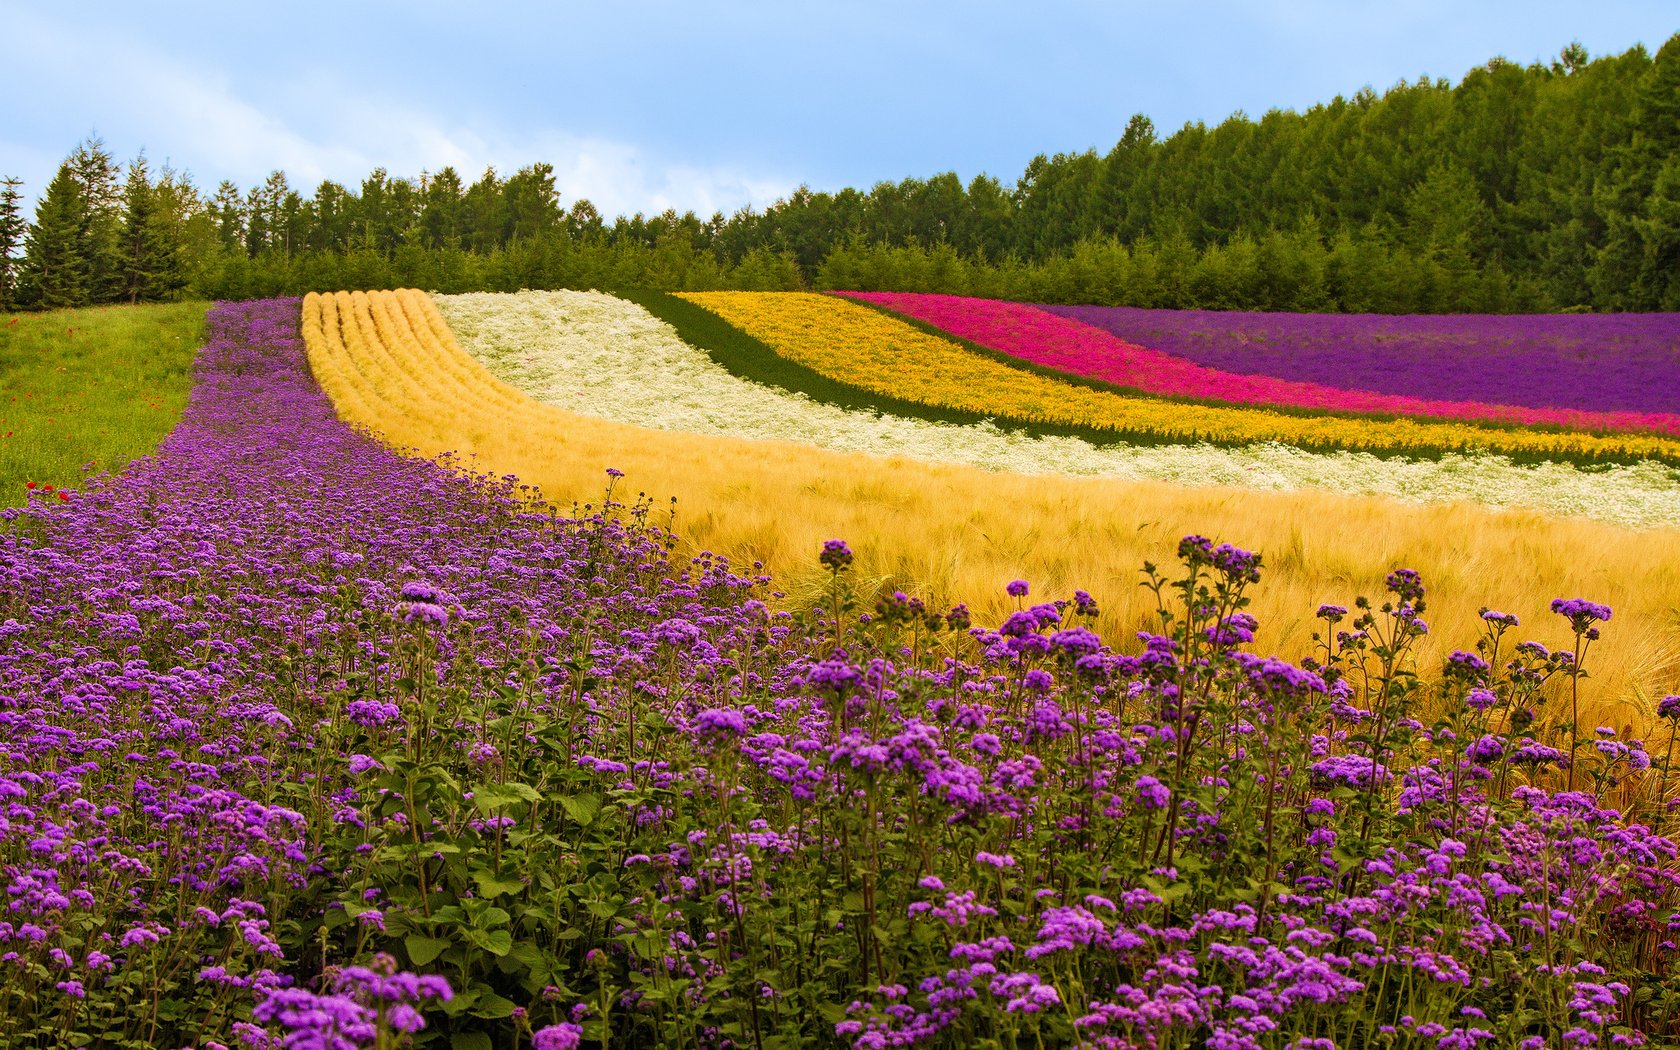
(952, 533)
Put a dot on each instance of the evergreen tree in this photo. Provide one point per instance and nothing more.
(54, 269)
(98, 226)
(184, 228)
(12, 229)
(229, 213)
(139, 249)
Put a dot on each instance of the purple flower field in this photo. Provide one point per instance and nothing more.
(307, 744)
(1595, 362)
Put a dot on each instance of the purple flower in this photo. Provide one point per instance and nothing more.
(835, 555)
(1488, 748)
(563, 1036)
(1076, 642)
(1354, 771)
(721, 721)
(421, 591)
(1017, 588)
(1580, 613)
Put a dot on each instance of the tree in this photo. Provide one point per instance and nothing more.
(139, 248)
(98, 224)
(12, 229)
(54, 270)
(150, 256)
(229, 214)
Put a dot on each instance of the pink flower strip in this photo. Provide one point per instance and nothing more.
(1043, 338)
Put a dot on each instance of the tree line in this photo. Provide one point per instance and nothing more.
(1519, 188)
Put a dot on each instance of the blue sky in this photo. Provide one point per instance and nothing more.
(649, 104)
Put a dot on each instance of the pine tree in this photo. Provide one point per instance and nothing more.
(54, 270)
(139, 252)
(99, 225)
(12, 229)
(229, 211)
(179, 219)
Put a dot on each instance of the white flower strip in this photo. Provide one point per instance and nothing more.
(598, 355)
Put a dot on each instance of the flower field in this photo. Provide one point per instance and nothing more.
(951, 532)
(1582, 362)
(1062, 340)
(324, 727)
(601, 356)
(857, 345)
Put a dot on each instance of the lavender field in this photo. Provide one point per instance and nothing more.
(308, 744)
(1592, 362)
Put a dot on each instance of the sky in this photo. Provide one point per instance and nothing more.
(643, 105)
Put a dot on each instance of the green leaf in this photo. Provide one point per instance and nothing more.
(581, 808)
(470, 1041)
(422, 950)
(492, 1005)
(492, 885)
(491, 797)
(496, 942)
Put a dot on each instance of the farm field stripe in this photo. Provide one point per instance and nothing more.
(858, 344)
(1584, 362)
(957, 533)
(602, 356)
(1068, 345)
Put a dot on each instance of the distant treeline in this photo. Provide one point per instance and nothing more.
(1538, 188)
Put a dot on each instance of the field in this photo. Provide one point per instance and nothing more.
(393, 700)
(89, 388)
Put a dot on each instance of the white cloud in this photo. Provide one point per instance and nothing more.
(319, 125)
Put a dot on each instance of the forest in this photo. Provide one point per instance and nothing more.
(1539, 188)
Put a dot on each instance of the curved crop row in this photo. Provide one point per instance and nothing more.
(1587, 362)
(606, 357)
(1068, 345)
(863, 346)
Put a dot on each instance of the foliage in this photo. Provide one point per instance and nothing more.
(12, 228)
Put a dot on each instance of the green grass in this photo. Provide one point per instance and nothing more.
(101, 385)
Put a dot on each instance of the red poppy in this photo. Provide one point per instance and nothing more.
(46, 488)
(29, 485)
(65, 496)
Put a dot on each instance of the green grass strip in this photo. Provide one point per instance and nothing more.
(102, 385)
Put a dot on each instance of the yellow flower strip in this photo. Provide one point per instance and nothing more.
(865, 348)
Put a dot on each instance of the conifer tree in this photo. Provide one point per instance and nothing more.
(54, 270)
(12, 229)
(138, 230)
(99, 225)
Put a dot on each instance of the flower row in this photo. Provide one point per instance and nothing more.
(1065, 343)
(865, 347)
(602, 356)
(1585, 362)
